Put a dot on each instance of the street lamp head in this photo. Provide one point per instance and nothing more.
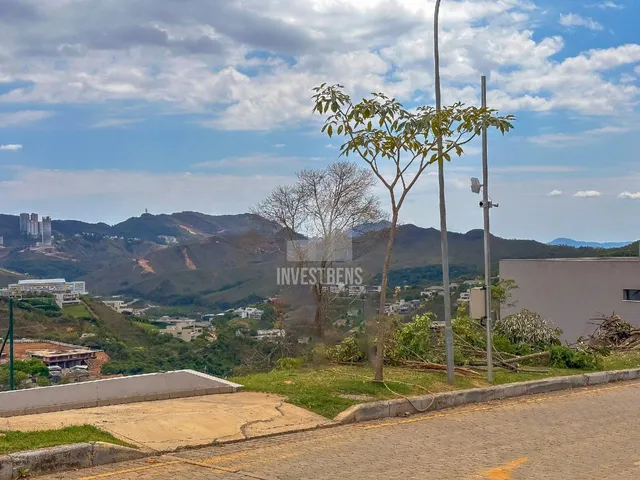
(475, 185)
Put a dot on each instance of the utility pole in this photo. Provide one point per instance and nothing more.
(444, 234)
(11, 379)
(486, 205)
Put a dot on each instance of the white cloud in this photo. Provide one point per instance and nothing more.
(11, 147)
(587, 193)
(68, 192)
(279, 145)
(22, 117)
(629, 195)
(575, 20)
(258, 160)
(608, 4)
(586, 136)
(554, 193)
(114, 122)
(199, 58)
(535, 169)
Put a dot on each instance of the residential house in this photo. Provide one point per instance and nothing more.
(249, 312)
(573, 292)
(356, 290)
(185, 331)
(270, 335)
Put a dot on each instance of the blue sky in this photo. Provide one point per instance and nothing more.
(110, 108)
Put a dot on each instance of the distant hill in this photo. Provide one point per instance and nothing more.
(83, 248)
(370, 227)
(224, 271)
(190, 258)
(578, 243)
(181, 225)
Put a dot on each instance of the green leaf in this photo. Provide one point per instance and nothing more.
(329, 130)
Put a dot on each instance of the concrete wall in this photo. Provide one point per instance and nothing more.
(113, 391)
(573, 292)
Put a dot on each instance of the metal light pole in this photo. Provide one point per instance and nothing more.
(486, 205)
(11, 379)
(448, 329)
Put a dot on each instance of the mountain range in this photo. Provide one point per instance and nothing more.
(578, 243)
(190, 258)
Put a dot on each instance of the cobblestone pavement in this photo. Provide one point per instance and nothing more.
(586, 433)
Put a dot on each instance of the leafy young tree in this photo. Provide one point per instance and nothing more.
(398, 145)
(324, 205)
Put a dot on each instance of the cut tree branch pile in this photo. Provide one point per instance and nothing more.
(614, 333)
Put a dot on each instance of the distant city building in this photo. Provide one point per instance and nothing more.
(46, 231)
(1, 241)
(24, 224)
(33, 225)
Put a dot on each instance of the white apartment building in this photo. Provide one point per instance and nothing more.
(51, 285)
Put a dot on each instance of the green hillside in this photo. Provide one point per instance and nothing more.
(225, 271)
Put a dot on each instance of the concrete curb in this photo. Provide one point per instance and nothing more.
(428, 403)
(63, 458)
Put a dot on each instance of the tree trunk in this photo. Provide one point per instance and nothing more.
(382, 318)
(318, 321)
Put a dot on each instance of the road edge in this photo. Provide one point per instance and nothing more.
(427, 403)
(63, 458)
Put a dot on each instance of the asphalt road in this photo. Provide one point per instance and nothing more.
(589, 433)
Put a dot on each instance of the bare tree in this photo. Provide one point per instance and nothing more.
(398, 146)
(324, 206)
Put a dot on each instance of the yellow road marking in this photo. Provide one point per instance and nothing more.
(503, 472)
(488, 407)
(130, 470)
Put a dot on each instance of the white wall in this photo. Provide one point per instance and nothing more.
(113, 391)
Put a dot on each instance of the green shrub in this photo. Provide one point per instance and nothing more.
(565, 357)
(288, 363)
(348, 351)
(413, 340)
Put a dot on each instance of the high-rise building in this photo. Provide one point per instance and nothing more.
(46, 230)
(24, 223)
(33, 225)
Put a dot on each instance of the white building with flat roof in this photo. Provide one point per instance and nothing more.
(49, 285)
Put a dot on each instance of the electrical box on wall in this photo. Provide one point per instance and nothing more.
(477, 303)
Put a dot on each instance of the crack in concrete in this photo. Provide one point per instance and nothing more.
(243, 427)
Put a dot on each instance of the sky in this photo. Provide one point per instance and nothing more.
(111, 108)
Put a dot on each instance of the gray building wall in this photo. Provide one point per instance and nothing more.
(573, 292)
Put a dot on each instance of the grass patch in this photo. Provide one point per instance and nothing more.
(11, 441)
(77, 311)
(319, 389)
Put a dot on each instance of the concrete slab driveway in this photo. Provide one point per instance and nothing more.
(166, 425)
